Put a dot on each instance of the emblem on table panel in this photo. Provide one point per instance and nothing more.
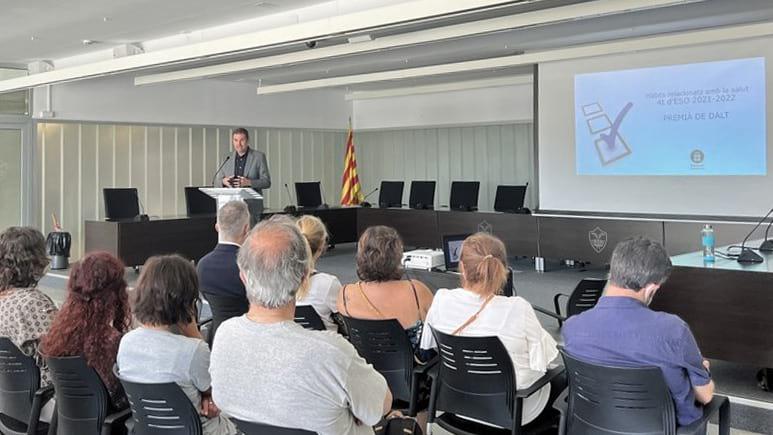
(485, 227)
(598, 239)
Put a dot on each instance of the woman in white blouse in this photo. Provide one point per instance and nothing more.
(323, 288)
(512, 319)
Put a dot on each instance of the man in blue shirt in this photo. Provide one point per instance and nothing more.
(622, 331)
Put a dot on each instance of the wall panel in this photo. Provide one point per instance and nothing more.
(493, 155)
(77, 160)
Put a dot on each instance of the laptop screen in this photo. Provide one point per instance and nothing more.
(452, 250)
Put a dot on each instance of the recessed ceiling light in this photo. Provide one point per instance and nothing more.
(106, 19)
(88, 42)
(33, 38)
(265, 5)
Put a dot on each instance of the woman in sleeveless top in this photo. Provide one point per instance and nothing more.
(382, 293)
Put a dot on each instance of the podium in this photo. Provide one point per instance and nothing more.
(223, 195)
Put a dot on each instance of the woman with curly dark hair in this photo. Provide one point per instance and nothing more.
(93, 319)
(25, 312)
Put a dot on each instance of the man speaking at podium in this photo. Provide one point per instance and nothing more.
(246, 167)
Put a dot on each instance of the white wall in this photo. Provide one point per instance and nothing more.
(492, 154)
(199, 102)
(498, 105)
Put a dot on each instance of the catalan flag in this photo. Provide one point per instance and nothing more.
(351, 192)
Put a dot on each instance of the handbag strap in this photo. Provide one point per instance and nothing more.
(474, 317)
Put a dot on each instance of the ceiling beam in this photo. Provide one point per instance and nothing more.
(635, 44)
(312, 30)
(523, 79)
(534, 18)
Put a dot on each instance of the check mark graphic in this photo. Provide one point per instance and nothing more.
(610, 138)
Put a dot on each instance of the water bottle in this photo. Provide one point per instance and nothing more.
(707, 241)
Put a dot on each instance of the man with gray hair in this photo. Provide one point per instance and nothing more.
(266, 368)
(218, 272)
(622, 331)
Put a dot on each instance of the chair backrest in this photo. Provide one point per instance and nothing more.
(308, 194)
(385, 345)
(422, 195)
(161, 409)
(224, 308)
(391, 194)
(616, 400)
(121, 203)
(19, 379)
(82, 401)
(307, 316)
(464, 195)
(509, 198)
(476, 378)
(585, 296)
(252, 428)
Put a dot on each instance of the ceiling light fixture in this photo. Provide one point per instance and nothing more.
(88, 42)
(360, 38)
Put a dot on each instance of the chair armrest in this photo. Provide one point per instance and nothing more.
(115, 418)
(561, 404)
(556, 301)
(204, 322)
(719, 405)
(548, 313)
(42, 396)
(541, 382)
(424, 369)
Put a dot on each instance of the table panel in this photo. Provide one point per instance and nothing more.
(517, 231)
(418, 228)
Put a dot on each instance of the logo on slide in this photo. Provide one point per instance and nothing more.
(610, 144)
(697, 156)
(598, 239)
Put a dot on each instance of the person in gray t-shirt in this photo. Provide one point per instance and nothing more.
(267, 369)
(168, 347)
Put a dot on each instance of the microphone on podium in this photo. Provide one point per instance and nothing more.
(218, 169)
(289, 208)
(747, 255)
(366, 204)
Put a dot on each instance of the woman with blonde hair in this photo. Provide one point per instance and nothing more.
(478, 309)
(323, 288)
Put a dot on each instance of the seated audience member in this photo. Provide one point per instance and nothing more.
(93, 319)
(167, 347)
(218, 272)
(381, 292)
(477, 309)
(323, 288)
(621, 330)
(25, 312)
(268, 369)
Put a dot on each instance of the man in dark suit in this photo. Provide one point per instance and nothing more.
(247, 167)
(218, 272)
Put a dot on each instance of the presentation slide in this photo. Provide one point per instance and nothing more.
(704, 118)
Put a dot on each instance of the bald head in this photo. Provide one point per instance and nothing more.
(275, 261)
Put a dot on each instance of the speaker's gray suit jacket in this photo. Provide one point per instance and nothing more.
(256, 169)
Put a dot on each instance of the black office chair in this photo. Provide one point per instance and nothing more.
(21, 397)
(384, 344)
(614, 400)
(476, 380)
(307, 316)
(252, 428)
(584, 297)
(82, 401)
(223, 308)
(161, 409)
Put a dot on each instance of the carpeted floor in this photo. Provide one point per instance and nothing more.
(752, 408)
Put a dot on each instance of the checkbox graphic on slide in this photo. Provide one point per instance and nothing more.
(610, 145)
(590, 109)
